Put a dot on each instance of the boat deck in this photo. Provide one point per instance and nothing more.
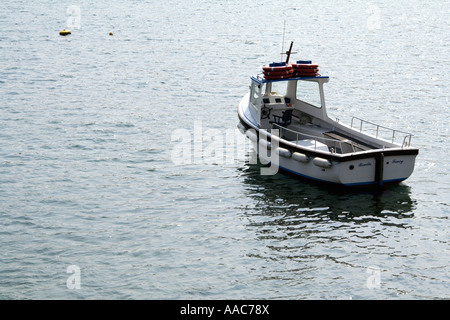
(316, 137)
(342, 137)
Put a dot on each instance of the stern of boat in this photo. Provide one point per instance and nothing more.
(380, 169)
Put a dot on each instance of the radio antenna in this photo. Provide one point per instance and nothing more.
(287, 53)
(282, 43)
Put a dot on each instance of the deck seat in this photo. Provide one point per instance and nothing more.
(283, 120)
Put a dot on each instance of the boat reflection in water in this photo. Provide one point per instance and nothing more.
(290, 199)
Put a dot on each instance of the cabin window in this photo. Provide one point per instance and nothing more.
(278, 88)
(255, 94)
(308, 91)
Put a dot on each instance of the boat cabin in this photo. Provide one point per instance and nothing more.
(303, 96)
(296, 107)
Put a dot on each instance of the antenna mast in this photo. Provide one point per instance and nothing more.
(282, 43)
(287, 53)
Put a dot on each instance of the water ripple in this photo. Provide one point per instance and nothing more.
(87, 179)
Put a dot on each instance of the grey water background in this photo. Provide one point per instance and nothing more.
(88, 178)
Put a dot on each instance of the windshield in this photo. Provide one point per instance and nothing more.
(278, 88)
(308, 91)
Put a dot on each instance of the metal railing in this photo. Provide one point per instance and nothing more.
(378, 129)
(332, 144)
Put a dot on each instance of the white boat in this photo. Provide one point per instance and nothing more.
(284, 116)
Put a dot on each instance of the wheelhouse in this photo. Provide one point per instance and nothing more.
(306, 94)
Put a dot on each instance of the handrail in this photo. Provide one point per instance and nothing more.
(338, 143)
(406, 139)
(316, 138)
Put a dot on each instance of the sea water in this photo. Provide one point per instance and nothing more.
(97, 203)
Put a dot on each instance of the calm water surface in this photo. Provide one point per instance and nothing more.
(87, 175)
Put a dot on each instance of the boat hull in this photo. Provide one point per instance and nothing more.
(371, 168)
(357, 172)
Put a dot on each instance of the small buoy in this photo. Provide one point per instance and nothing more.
(265, 144)
(300, 157)
(283, 152)
(64, 32)
(321, 162)
(110, 33)
(251, 135)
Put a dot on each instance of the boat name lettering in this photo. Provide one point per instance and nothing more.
(397, 161)
(364, 164)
